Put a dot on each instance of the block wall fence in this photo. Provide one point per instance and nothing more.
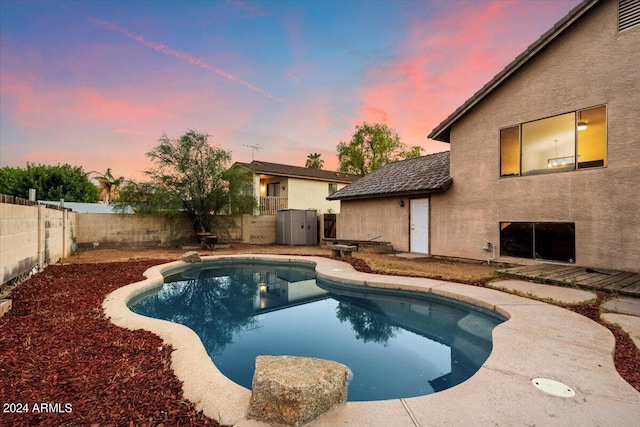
(33, 236)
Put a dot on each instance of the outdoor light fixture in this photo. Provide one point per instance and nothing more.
(401, 203)
(582, 125)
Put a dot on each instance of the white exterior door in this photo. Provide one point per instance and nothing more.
(419, 236)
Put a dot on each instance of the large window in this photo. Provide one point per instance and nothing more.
(554, 241)
(575, 140)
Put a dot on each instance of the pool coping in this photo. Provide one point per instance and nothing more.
(537, 340)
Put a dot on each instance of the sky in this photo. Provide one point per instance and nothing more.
(97, 83)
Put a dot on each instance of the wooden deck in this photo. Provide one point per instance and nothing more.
(599, 279)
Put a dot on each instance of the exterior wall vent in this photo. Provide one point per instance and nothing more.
(628, 14)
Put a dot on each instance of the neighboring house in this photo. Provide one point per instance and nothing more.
(278, 186)
(391, 204)
(545, 157)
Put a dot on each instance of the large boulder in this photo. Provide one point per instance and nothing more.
(191, 256)
(293, 391)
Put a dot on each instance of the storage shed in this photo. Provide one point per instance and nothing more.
(297, 227)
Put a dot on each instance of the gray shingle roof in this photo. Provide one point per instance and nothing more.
(298, 172)
(422, 175)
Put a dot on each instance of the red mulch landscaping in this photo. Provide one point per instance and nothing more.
(59, 354)
(626, 355)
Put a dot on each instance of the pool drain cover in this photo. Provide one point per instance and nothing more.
(553, 387)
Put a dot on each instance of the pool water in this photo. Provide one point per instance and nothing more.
(397, 344)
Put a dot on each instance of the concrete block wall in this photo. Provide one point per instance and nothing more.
(259, 229)
(53, 241)
(32, 237)
(125, 230)
(18, 240)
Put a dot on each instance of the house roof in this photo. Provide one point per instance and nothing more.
(443, 130)
(422, 175)
(86, 207)
(298, 172)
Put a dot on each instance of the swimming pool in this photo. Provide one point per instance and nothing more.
(397, 343)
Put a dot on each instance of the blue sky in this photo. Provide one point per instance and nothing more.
(96, 83)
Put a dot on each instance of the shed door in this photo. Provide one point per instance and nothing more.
(419, 223)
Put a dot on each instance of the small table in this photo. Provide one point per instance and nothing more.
(207, 240)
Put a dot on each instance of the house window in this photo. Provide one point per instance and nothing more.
(273, 189)
(592, 138)
(333, 187)
(554, 241)
(567, 142)
(510, 151)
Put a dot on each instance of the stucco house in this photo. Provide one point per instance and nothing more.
(544, 158)
(391, 204)
(279, 186)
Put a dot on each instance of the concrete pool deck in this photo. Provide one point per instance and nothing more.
(539, 340)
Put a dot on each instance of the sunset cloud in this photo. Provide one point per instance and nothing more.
(441, 63)
(89, 84)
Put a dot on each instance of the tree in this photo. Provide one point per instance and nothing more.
(50, 182)
(108, 186)
(372, 146)
(193, 177)
(314, 161)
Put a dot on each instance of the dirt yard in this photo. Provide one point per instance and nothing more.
(382, 263)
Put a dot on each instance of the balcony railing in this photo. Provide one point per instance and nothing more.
(270, 205)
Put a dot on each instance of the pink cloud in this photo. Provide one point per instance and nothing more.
(445, 60)
(105, 126)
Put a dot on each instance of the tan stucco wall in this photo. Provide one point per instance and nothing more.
(591, 64)
(301, 193)
(382, 220)
(308, 194)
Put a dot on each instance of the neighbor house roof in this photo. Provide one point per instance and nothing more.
(443, 130)
(422, 175)
(267, 168)
(86, 207)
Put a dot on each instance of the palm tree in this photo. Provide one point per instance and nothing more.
(314, 161)
(108, 185)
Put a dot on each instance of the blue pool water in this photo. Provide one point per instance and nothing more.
(397, 344)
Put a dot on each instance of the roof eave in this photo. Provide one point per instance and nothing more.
(440, 189)
(313, 178)
(256, 170)
(442, 132)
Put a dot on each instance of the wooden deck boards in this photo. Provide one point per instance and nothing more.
(622, 282)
